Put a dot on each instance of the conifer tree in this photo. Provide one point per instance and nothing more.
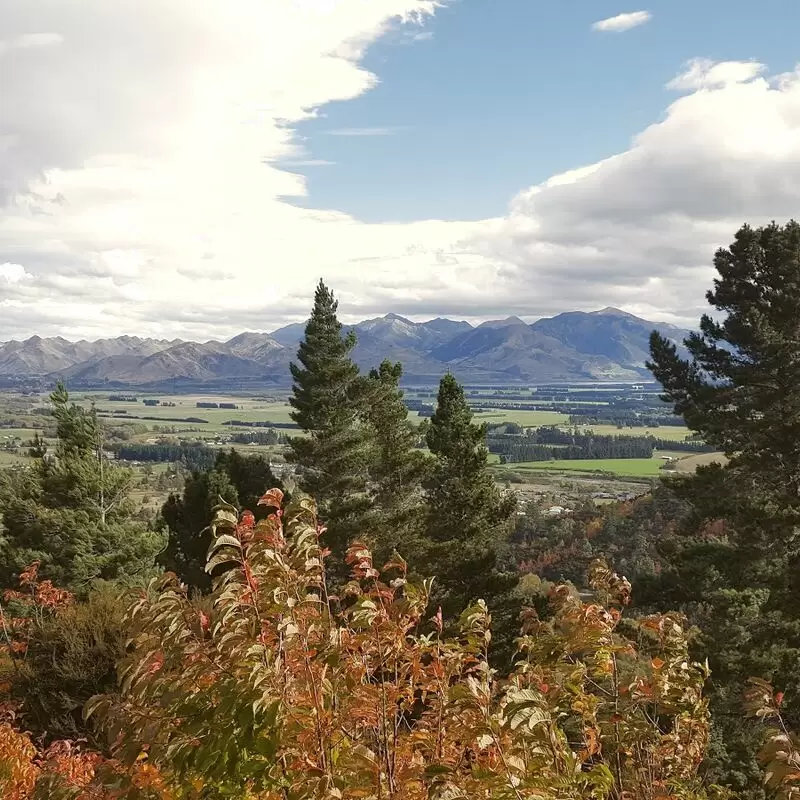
(72, 512)
(332, 458)
(734, 567)
(739, 388)
(187, 517)
(397, 465)
(468, 517)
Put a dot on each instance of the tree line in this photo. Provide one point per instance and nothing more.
(550, 442)
(193, 455)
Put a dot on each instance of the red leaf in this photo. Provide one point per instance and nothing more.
(272, 498)
(247, 521)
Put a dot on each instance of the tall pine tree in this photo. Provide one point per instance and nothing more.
(734, 568)
(327, 396)
(397, 466)
(468, 517)
(739, 387)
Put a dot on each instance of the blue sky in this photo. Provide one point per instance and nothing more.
(506, 93)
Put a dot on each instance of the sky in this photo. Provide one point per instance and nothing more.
(192, 168)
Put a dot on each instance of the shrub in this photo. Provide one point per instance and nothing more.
(283, 691)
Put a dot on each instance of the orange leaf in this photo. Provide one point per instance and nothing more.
(272, 498)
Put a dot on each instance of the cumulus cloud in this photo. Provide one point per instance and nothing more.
(146, 157)
(622, 22)
(12, 273)
(639, 229)
(703, 73)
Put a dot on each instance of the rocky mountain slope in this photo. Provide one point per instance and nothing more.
(575, 346)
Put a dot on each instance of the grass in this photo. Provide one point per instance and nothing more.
(9, 459)
(532, 419)
(528, 419)
(624, 467)
(250, 409)
(21, 433)
(672, 432)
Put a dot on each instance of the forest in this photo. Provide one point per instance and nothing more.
(389, 622)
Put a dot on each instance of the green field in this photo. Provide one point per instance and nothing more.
(528, 419)
(249, 410)
(671, 432)
(623, 467)
(20, 433)
(532, 419)
(8, 459)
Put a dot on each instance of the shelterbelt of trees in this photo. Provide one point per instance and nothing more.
(389, 626)
(550, 442)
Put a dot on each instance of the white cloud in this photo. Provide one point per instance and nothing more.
(12, 273)
(640, 229)
(144, 163)
(622, 22)
(25, 41)
(702, 73)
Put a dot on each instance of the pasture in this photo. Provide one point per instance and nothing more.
(528, 419)
(622, 467)
(248, 409)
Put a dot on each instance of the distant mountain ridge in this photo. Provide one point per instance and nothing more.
(606, 345)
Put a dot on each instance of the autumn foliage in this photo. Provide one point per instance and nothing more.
(284, 691)
(30, 770)
(281, 691)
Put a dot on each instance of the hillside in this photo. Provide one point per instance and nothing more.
(609, 345)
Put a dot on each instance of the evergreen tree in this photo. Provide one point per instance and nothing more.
(398, 466)
(327, 396)
(236, 479)
(72, 512)
(739, 388)
(468, 517)
(734, 567)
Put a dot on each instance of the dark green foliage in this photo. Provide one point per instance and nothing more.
(72, 512)
(192, 455)
(739, 391)
(468, 517)
(397, 466)
(549, 442)
(71, 656)
(327, 397)
(734, 569)
(239, 480)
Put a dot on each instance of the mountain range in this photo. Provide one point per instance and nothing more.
(606, 345)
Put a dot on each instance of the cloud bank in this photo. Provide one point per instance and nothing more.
(149, 197)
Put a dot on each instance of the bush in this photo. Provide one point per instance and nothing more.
(70, 656)
(278, 690)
